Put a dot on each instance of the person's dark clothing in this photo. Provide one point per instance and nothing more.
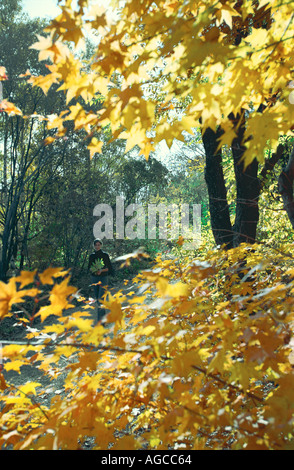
(99, 282)
(100, 255)
(99, 285)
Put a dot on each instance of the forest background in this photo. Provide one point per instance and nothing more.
(49, 193)
(208, 357)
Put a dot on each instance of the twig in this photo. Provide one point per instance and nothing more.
(226, 384)
(75, 345)
(31, 399)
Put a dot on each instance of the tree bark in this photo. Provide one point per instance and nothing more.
(219, 210)
(248, 190)
(285, 185)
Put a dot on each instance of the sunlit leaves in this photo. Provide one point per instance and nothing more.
(95, 146)
(48, 276)
(5, 105)
(9, 108)
(3, 74)
(25, 278)
(184, 365)
(9, 295)
(201, 356)
(226, 57)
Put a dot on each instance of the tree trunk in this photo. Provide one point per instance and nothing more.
(219, 210)
(248, 190)
(8, 236)
(247, 185)
(285, 185)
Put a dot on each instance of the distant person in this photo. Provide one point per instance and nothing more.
(99, 267)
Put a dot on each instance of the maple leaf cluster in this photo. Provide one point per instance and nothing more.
(7, 106)
(97, 265)
(199, 356)
(211, 61)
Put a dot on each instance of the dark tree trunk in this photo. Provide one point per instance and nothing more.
(8, 238)
(286, 187)
(248, 190)
(248, 185)
(219, 210)
(247, 212)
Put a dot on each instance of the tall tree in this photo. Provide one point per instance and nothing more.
(226, 64)
(23, 153)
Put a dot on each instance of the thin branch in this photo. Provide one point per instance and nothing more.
(31, 399)
(271, 162)
(226, 384)
(74, 345)
(281, 39)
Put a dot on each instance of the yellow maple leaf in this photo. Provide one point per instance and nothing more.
(9, 108)
(146, 150)
(46, 277)
(14, 365)
(115, 311)
(3, 75)
(178, 289)
(44, 81)
(225, 13)
(227, 138)
(258, 38)
(68, 24)
(59, 296)
(95, 146)
(12, 350)
(29, 387)
(9, 295)
(136, 135)
(26, 277)
(49, 140)
(56, 122)
(81, 323)
(45, 312)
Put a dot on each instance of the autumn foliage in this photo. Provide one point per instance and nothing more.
(200, 357)
(210, 61)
